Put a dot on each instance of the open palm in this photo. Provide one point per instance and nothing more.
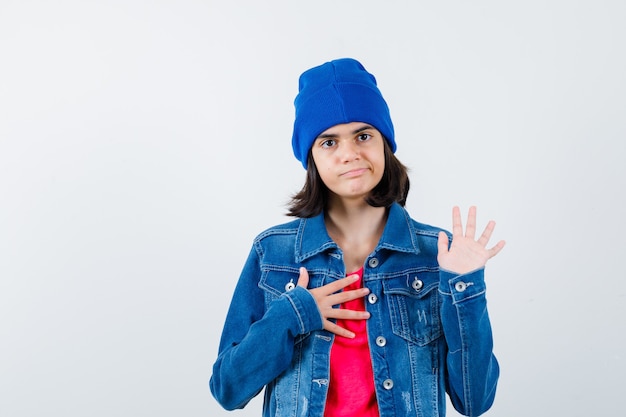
(466, 254)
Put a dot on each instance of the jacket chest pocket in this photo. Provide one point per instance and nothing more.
(275, 282)
(414, 306)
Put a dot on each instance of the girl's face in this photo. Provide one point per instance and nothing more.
(350, 159)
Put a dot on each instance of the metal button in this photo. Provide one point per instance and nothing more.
(373, 263)
(460, 286)
(388, 384)
(381, 341)
(417, 284)
(290, 286)
(372, 298)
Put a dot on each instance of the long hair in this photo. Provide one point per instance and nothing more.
(312, 199)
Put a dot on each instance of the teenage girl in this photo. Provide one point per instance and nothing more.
(354, 308)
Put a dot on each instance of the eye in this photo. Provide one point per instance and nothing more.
(328, 143)
(363, 137)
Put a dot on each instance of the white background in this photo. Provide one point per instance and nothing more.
(143, 144)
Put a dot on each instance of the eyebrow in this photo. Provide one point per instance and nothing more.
(354, 132)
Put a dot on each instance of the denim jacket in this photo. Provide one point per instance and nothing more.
(429, 331)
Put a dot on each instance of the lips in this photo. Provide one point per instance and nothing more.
(354, 172)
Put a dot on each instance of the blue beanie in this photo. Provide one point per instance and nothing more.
(337, 92)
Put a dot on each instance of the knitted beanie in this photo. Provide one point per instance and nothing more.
(337, 92)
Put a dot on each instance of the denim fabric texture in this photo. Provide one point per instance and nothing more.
(429, 331)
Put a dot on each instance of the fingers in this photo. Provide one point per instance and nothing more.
(343, 314)
(345, 296)
(303, 279)
(470, 229)
(457, 224)
(335, 286)
(484, 238)
(338, 330)
(330, 295)
(497, 248)
(442, 242)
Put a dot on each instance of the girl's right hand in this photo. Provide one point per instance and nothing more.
(328, 296)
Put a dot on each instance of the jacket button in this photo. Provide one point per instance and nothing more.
(381, 341)
(388, 384)
(417, 284)
(372, 298)
(373, 263)
(460, 286)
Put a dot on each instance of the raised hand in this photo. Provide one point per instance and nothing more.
(466, 254)
(327, 296)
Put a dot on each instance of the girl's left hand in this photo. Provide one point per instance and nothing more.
(466, 254)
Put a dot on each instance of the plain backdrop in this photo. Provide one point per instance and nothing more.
(143, 145)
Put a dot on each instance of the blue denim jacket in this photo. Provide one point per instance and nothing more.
(429, 331)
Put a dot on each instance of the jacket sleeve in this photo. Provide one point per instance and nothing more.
(258, 344)
(471, 366)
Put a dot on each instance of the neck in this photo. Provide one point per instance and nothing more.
(349, 222)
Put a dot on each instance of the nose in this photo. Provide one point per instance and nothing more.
(349, 151)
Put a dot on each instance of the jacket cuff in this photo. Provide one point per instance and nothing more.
(305, 308)
(462, 287)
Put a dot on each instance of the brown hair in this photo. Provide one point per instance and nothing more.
(393, 187)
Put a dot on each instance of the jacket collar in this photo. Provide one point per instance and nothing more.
(398, 235)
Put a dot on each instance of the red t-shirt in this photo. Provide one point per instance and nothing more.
(351, 389)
